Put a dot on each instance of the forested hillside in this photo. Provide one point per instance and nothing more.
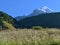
(6, 21)
(50, 20)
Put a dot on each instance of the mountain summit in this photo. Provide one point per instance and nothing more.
(42, 10)
(46, 9)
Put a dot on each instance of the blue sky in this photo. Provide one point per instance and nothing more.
(25, 7)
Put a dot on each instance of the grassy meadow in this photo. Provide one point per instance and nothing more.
(30, 37)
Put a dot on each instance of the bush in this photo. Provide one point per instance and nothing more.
(37, 27)
(0, 27)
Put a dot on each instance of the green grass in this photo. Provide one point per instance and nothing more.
(8, 25)
(30, 37)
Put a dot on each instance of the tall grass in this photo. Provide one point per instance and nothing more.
(30, 37)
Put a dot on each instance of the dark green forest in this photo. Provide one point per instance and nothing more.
(48, 20)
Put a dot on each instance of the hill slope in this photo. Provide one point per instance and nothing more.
(51, 20)
(6, 21)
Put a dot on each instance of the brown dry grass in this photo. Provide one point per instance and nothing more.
(30, 37)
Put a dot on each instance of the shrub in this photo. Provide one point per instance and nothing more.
(0, 27)
(37, 27)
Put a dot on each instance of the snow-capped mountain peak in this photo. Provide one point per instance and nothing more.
(42, 10)
(46, 9)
